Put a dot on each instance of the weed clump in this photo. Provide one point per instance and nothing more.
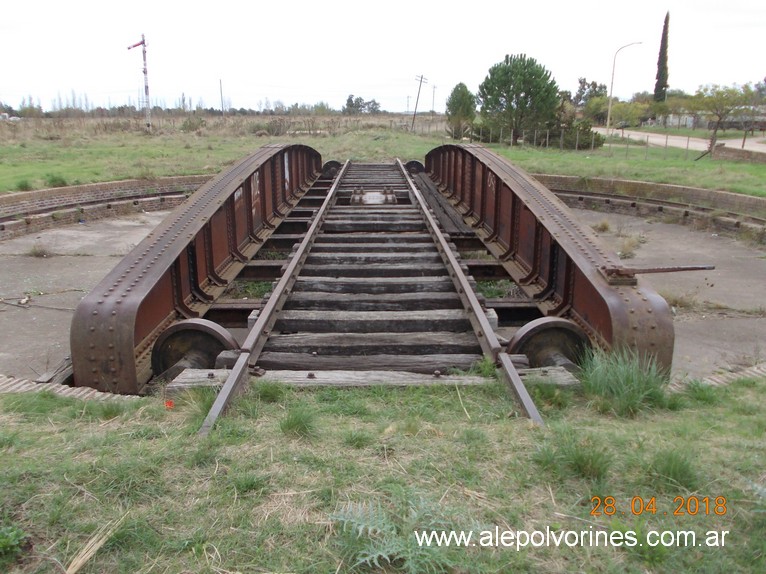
(24, 185)
(379, 534)
(39, 250)
(569, 454)
(299, 422)
(673, 470)
(622, 383)
(11, 544)
(53, 180)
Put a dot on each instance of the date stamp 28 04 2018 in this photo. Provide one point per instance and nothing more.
(680, 506)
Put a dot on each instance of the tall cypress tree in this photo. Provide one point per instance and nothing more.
(661, 87)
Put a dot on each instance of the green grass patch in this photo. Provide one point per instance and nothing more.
(673, 470)
(299, 422)
(495, 289)
(379, 463)
(621, 383)
(245, 289)
(89, 152)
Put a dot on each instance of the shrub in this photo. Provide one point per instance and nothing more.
(192, 124)
(53, 180)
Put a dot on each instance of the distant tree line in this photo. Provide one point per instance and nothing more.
(79, 107)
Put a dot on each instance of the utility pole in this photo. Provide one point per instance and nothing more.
(220, 85)
(147, 107)
(422, 80)
(408, 104)
(433, 101)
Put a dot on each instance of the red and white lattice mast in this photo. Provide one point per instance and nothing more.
(147, 107)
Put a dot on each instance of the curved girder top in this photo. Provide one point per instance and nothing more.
(556, 260)
(183, 264)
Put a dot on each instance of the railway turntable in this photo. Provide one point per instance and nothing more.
(368, 277)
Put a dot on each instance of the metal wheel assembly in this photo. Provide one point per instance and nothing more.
(549, 342)
(189, 344)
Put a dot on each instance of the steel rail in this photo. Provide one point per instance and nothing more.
(257, 336)
(688, 209)
(488, 341)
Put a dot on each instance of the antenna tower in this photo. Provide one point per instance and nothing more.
(147, 107)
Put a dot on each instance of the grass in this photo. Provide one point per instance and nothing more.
(84, 152)
(246, 289)
(299, 422)
(621, 383)
(495, 289)
(378, 462)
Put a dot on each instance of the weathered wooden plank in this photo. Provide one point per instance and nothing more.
(419, 343)
(356, 210)
(374, 270)
(549, 375)
(373, 284)
(367, 379)
(365, 258)
(382, 247)
(322, 301)
(380, 215)
(412, 363)
(195, 378)
(376, 237)
(347, 226)
(372, 321)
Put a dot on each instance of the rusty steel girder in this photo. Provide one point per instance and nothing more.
(554, 259)
(182, 266)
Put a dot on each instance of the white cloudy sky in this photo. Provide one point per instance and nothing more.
(300, 51)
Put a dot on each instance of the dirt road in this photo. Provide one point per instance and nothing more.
(756, 143)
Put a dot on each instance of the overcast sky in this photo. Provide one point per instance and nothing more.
(306, 52)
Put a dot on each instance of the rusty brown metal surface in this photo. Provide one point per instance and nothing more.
(184, 265)
(555, 260)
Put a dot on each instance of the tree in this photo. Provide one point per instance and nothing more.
(720, 102)
(518, 94)
(596, 109)
(461, 110)
(587, 90)
(661, 86)
(356, 105)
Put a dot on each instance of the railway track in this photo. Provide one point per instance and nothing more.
(374, 285)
